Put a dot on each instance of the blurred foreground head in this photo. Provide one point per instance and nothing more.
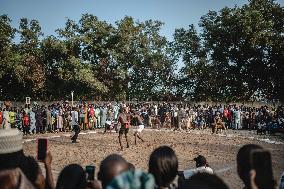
(72, 177)
(11, 148)
(200, 161)
(203, 181)
(12, 158)
(163, 164)
(134, 179)
(110, 167)
(243, 162)
(261, 174)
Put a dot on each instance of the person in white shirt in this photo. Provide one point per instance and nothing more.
(6, 119)
(156, 109)
(32, 122)
(201, 167)
(138, 128)
(75, 125)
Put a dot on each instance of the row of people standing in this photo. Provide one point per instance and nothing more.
(57, 117)
(234, 117)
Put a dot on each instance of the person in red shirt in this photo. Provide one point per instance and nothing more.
(26, 123)
(92, 118)
(226, 113)
(230, 118)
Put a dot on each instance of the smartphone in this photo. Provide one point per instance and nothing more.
(261, 163)
(41, 148)
(90, 171)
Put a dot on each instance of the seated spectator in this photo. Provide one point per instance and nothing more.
(201, 167)
(72, 177)
(135, 179)
(203, 181)
(110, 167)
(163, 164)
(243, 163)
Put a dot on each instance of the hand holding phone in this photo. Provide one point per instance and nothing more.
(262, 168)
(41, 148)
(90, 171)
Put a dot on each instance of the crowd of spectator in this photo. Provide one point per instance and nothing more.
(17, 170)
(57, 117)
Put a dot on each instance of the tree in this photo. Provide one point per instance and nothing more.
(65, 67)
(192, 77)
(7, 57)
(29, 71)
(142, 58)
(243, 50)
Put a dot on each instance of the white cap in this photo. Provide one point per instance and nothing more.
(10, 141)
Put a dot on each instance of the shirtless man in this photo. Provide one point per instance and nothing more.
(123, 120)
(139, 127)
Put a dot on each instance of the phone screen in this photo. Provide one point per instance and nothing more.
(90, 170)
(261, 163)
(41, 148)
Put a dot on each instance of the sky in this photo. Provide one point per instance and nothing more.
(52, 14)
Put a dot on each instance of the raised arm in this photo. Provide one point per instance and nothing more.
(49, 181)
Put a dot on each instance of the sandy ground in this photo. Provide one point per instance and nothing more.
(219, 149)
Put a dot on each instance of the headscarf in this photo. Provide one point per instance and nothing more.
(133, 179)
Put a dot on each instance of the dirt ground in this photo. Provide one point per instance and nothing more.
(219, 149)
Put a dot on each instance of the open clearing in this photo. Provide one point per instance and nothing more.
(220, 150)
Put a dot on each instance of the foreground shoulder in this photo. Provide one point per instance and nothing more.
(209, 170)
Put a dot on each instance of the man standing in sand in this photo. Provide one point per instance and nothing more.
(139, 128)
(75, 125)
(124, 122)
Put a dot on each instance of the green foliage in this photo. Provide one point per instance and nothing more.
(238, 55)
(92, 58)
